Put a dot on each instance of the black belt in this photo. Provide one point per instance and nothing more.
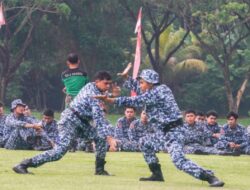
(76, 113)
(172, 125)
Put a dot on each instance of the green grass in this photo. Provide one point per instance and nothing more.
(75, 171)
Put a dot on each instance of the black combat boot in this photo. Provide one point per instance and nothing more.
(212, 180)
(99, 167)
(155, 168)
(23, 166)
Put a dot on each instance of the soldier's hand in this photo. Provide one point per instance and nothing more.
(124, 74)
(232, 145)
(112, 144)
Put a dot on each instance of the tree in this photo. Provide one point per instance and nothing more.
(223, 28)
(16, 37)
(158, 17)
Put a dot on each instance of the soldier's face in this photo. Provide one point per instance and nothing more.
(190, 118)
(1, 110)
(200, 118)
(232, 122)
(103, 85)
(144, 86)
(27, 111)
(19, 110)
(129, 113)
(144, 117)
(47, 119)
(211, 120)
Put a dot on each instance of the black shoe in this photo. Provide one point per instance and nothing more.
(22, 167)
(200, 152)
(226, 153)
(212, 180)
(155, 168)
(99, 167)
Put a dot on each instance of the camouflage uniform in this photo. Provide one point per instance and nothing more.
(136, 131)
(50, 134)
(89, 110)
(238, 135)
(16, 135)
(121, 134)
(2, 124)
(209, 130)
(195, 140)
(162, 111)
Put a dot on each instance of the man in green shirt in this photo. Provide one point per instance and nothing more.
(73, 78)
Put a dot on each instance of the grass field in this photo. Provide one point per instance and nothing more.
(75, 171)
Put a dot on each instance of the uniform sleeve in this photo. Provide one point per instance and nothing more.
(132, 84)
(244, 139)
(12, 122)
(147, 98)
(118, 130)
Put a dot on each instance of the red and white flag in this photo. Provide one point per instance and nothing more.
(2, 19)
(137, 60)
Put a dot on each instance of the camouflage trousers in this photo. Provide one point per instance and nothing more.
(68, 127)
(21, 138)
(128, 146)
(192, 148)
(173, 141)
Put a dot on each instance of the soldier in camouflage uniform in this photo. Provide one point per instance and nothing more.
(138, 129)
(234, 136)
(50, 131)
(20, 132)
(2, 124)
(212, 130)
(161, 107)
(83, 113)
(121, 130)
(195, 136)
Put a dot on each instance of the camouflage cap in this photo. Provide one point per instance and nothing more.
(17, 102)
(149, 76)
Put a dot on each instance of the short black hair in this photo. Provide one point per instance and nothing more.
(73, 58)
(190, 111)
(232, 114)
(200, 113)
(213, 113)
(1, 104)
(48, 112)
(102, 75)
(130, 107)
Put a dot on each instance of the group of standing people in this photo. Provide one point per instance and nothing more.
(85, 116)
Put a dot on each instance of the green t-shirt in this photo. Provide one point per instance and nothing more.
(74, 80)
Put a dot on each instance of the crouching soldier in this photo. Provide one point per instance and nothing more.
(84, 112)
(162, 110)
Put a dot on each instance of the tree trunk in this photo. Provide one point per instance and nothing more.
(3, 87)
(227, 84)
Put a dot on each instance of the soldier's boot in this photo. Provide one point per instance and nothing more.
(22, 168)
(155, 168)
(99, 167)
(212, 180)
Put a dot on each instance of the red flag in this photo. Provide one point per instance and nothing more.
(137, 60)
(2, 20)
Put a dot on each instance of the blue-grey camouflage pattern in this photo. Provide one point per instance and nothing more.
(70, 126)
(161, 109)
(122, 127)
(195, 139)
(238, 135)
(49, 135)
(150, 76)
(16, 136)
(121, 134)
(209, 130)
(2, 124)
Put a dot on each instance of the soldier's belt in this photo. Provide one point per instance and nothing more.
(76, 113)
(172, 125)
